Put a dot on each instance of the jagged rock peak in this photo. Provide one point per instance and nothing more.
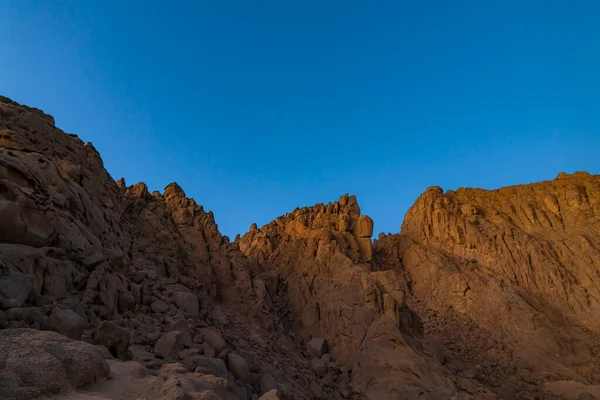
(320, 215)
(340, 219)
(173, 189)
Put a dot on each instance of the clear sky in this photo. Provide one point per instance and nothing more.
(256, 107)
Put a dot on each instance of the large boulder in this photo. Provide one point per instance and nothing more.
(270, 395)
(168, 345)
(174, 381)
(317, 347)
(114, 338)
(267, 383)
(206, 365)
(214, 338)
(238, 366)
(15, 285)
(188, 303)
(181, 326)
(35, 363)
(67, 322)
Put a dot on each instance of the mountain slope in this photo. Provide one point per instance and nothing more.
(523, 262)
(483, 294)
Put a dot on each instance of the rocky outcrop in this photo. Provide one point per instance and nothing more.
(113, 264)
(322, 255)
(522, 262)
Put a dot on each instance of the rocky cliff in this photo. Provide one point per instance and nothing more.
(483, 294)
(323, 256)
(522, 262)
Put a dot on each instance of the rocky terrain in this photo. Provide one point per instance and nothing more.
(108, 291)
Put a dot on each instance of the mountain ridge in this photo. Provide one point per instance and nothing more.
(482, 294)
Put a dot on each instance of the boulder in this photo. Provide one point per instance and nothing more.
(267, 383)
(35, 363)
(15, 285)
(214, 338)
(127, 302)
(270, 395)
(319, 367)
(213, 366)
(28, 317)
(159, 306)
(67, 322)
(317, 347)
(208, 350)
(239, 367)
(174, 381)
(182, 326)
(188, 303)
(7, 304)
(168, 345)
(114, 338)
(219, 315)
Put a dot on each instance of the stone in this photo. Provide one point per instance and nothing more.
(208, 350)
(224, 353)
(319, 367)
(271, 395)
(188, 303)
(27, 317)
(168, 345)
(7, 304)
(317, 347)
(175, 382)
(316, 391)
(15, 285)
(239, 367)
(113, 337)
(466, 385)
(213, 366)
(159, 306)
(67, 323)
(267, 383)
(219, 315)
(36, 363)
(213, 337)
(182, 326)
(126, 302)
(363, 227)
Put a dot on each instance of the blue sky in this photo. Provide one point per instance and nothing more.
(255, 108)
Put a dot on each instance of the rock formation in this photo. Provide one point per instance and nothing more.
(483, 294)
(114, 265)
(322, 256)
(522, 262)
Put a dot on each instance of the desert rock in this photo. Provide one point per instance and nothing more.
(36, 363)
(483, 293)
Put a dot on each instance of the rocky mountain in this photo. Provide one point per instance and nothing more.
(108, 291)
(521, 262)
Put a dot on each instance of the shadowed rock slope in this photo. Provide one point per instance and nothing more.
(483, 294)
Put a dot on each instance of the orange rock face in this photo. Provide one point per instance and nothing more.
(522, 262)
(483, 294)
